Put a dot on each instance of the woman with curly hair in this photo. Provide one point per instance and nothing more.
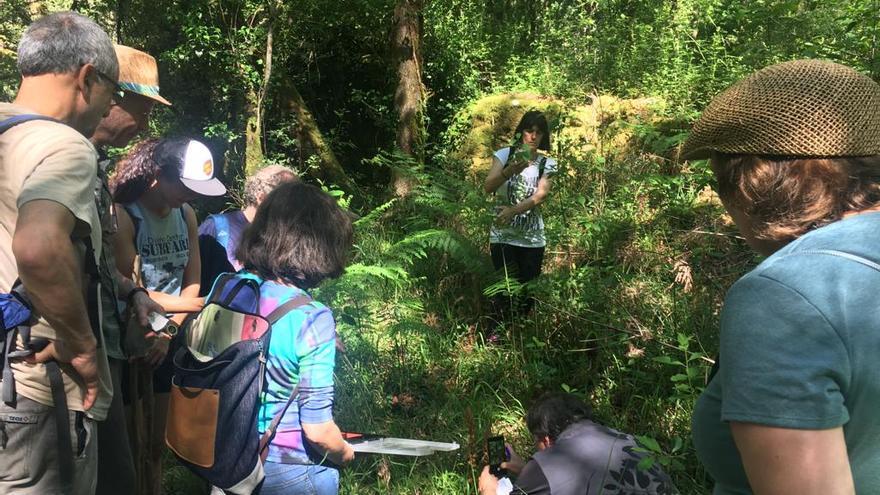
(157, 244)
(795, 149)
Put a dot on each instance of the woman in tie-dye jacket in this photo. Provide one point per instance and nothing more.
(299, 237)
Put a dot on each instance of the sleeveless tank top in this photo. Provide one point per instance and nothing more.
(163, 245)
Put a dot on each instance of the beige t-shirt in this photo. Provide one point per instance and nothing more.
(43, 160)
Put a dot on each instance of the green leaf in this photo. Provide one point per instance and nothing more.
(645, 463)
(649, 443)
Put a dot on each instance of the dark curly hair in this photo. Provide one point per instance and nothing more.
(144, 163)
(299, 236)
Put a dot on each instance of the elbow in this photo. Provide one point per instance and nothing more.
(33, 252)
(320, 434)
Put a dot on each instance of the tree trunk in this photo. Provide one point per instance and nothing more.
(253, 135)
(310, 135)
(253, 151)
(410, 95)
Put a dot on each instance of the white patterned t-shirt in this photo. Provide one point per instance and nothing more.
(527, 228)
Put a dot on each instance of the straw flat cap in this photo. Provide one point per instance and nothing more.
(139, 73)
(809, 108)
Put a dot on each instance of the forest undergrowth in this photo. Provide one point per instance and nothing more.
(639, 256)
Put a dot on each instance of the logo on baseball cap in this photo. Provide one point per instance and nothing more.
(197, 171)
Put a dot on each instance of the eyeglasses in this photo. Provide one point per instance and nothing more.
(118, 93)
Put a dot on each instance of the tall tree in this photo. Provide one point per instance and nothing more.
(309, 134)
(409, 98)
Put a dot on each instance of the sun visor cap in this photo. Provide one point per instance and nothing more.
(197, 171)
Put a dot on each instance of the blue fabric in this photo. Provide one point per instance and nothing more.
(13, 121)
(799, 340)
(299, 479)
(14, 311)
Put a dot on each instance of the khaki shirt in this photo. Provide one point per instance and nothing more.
(43, 160)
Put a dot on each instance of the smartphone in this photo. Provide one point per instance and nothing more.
(497, 452)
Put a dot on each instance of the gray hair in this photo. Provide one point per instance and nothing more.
(63, 42)
(265, 180)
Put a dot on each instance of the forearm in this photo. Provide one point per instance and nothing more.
(327, 438)
(494, 180)
(177, 304)
(529, 203)
(124, 286)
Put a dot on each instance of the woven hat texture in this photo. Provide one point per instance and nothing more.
(810, 108)
(139, 73)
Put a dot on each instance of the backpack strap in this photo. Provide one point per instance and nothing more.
(62, 426)
(13, 121)
(287, 307)
(273, 318)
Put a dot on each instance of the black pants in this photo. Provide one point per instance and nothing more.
(521, 263)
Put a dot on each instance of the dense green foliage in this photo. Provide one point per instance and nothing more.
(639, 254)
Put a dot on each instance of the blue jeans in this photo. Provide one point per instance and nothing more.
(299, 479)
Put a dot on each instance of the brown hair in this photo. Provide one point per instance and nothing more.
(299, 236)
(785, 197)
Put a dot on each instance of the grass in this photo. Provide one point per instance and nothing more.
(639, 256)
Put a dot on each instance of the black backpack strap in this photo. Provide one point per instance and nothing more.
(62, 426)
(541, 166)
(273, 317)
(509, 153)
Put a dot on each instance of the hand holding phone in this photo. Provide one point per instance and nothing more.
(497, 453)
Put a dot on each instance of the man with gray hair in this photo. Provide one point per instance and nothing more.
(49, 243)
(220, 233)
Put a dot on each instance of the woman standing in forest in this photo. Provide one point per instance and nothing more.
(795, 149)
(157, 244)
(520, 180)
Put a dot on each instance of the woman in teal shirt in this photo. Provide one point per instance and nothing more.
(795, 149)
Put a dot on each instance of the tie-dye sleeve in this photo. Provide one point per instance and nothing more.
(316, 352)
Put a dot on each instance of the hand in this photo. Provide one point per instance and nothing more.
(347, 454)
(488, 484)
(159, 348)
(143, 306)
(516, 463)
(517, 166)
(83, 360)
(505, 216)
(340, 344)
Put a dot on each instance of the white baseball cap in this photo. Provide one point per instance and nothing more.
(197, 171)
